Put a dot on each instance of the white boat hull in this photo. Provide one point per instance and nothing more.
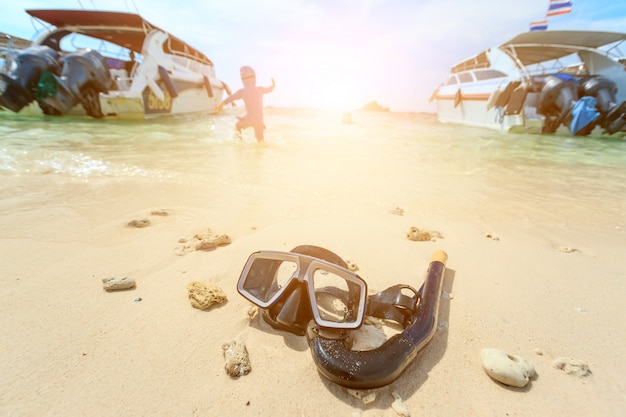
(168, 78)
(508, 88)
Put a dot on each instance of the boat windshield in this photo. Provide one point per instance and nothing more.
(76, 42)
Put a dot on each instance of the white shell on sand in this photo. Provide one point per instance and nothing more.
(118, 283)
(368, 337)
(399, 406)
(505, 368)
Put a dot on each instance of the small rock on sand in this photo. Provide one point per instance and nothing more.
(138, 223)
(491, 236)
(204, 296)
(237, 359)
(365, 396)
(398, 211)
(566, 249)
(118, 283)
(506, 368)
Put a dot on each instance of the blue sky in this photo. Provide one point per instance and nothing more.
(340, 53)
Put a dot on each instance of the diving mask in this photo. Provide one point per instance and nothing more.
(308, 283)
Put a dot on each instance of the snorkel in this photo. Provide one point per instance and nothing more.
(309, 291)
(381, 366)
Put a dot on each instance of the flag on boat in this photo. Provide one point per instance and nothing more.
(540, 25)
(559, 7)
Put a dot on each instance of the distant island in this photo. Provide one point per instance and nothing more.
(373, 105)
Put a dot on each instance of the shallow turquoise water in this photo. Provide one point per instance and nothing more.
(381, 160)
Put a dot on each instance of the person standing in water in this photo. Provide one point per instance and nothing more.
(252, 97)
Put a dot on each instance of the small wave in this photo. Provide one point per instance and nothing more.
(69, 163)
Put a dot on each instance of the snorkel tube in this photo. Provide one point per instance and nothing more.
(381, 366)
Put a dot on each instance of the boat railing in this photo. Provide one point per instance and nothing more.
(186, 53)
(614, 52)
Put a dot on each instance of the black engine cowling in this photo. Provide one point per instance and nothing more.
(558, 96)
(84, 75)
(613, 114)
(17, 89)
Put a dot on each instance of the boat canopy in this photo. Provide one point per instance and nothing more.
(125, 29)
(535, 47)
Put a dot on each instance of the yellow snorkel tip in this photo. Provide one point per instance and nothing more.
(439, 256)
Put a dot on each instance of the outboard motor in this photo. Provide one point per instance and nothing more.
(613, 115)
(84, 75)
(17, 88)
(557, 99)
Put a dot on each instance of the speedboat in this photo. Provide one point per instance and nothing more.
(539, 82)
(108, 65)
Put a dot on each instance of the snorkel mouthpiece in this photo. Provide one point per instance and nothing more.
(381, 366)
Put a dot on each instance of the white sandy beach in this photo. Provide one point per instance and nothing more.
(538, 289)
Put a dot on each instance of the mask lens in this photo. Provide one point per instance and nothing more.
(266, 277)
(336, 298)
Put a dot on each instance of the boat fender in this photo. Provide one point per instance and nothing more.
(505, 95)
(169, 84)
(207, 86)
(493, 98)
(458, 97)
(516, 101)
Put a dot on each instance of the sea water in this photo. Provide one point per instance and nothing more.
(311, 164)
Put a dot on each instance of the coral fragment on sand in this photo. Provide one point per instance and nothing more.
(237, 359)
(352, 265)
(118, 283)
(572, 366)
(138, 223)
(204, 296)
(418, 235)
(204, 240)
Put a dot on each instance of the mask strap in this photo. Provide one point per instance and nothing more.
(392, 304)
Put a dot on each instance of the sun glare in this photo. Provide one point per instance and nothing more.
(334, 79)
